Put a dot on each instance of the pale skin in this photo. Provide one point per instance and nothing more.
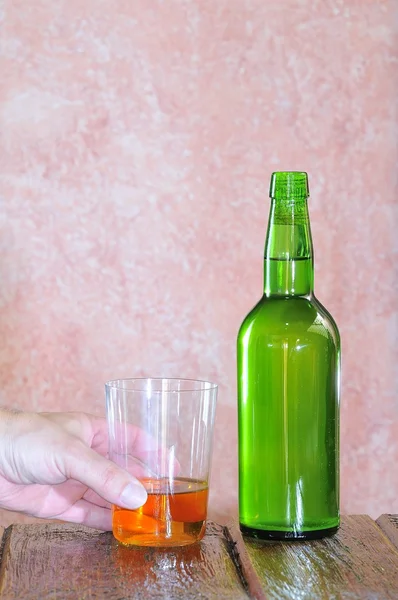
(54, 466)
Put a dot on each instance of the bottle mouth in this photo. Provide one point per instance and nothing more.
(289, 185)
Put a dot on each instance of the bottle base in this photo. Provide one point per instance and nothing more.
(288, 536)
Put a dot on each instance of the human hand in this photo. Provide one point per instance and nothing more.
(53, 466)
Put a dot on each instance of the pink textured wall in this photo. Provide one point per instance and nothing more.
(137, 142)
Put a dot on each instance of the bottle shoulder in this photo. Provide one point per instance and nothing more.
(328, 318)
(289, 315)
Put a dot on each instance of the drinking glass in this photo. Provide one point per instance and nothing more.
(161, 430)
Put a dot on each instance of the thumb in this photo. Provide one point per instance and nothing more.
(109, 481)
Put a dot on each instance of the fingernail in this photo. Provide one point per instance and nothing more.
(133, 496)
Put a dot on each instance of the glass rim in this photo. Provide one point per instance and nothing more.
(115, 384)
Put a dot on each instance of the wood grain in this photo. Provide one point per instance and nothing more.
(67, 561)
(389, 524)
(244, 565)
(359, 562)
(2, 542)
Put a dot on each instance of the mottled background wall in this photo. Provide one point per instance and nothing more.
(137, 142)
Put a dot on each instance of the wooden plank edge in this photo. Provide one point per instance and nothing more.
(389, 525)
(240, 558)
(2, 541)
(4, 545)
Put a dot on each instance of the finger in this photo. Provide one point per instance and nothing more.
(134, 438)
(135, 450)
(94, 498)
(160, 463)
(85, 513)
(103, 476)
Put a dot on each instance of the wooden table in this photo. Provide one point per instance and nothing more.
(71, 562)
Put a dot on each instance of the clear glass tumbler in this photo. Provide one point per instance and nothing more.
(161, 430)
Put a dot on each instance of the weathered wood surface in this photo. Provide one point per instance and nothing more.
(389, 524)
(66, 562)
(358, 562)
(1, 541)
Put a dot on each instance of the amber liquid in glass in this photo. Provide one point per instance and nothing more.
(173, 515)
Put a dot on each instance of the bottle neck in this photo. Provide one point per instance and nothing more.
(288, 257)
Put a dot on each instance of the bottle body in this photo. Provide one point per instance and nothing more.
(288, 354)
(288, 357)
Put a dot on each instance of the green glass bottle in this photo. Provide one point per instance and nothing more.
(288, 386)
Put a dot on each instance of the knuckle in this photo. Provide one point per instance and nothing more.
(72, 458)
(110, 476)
